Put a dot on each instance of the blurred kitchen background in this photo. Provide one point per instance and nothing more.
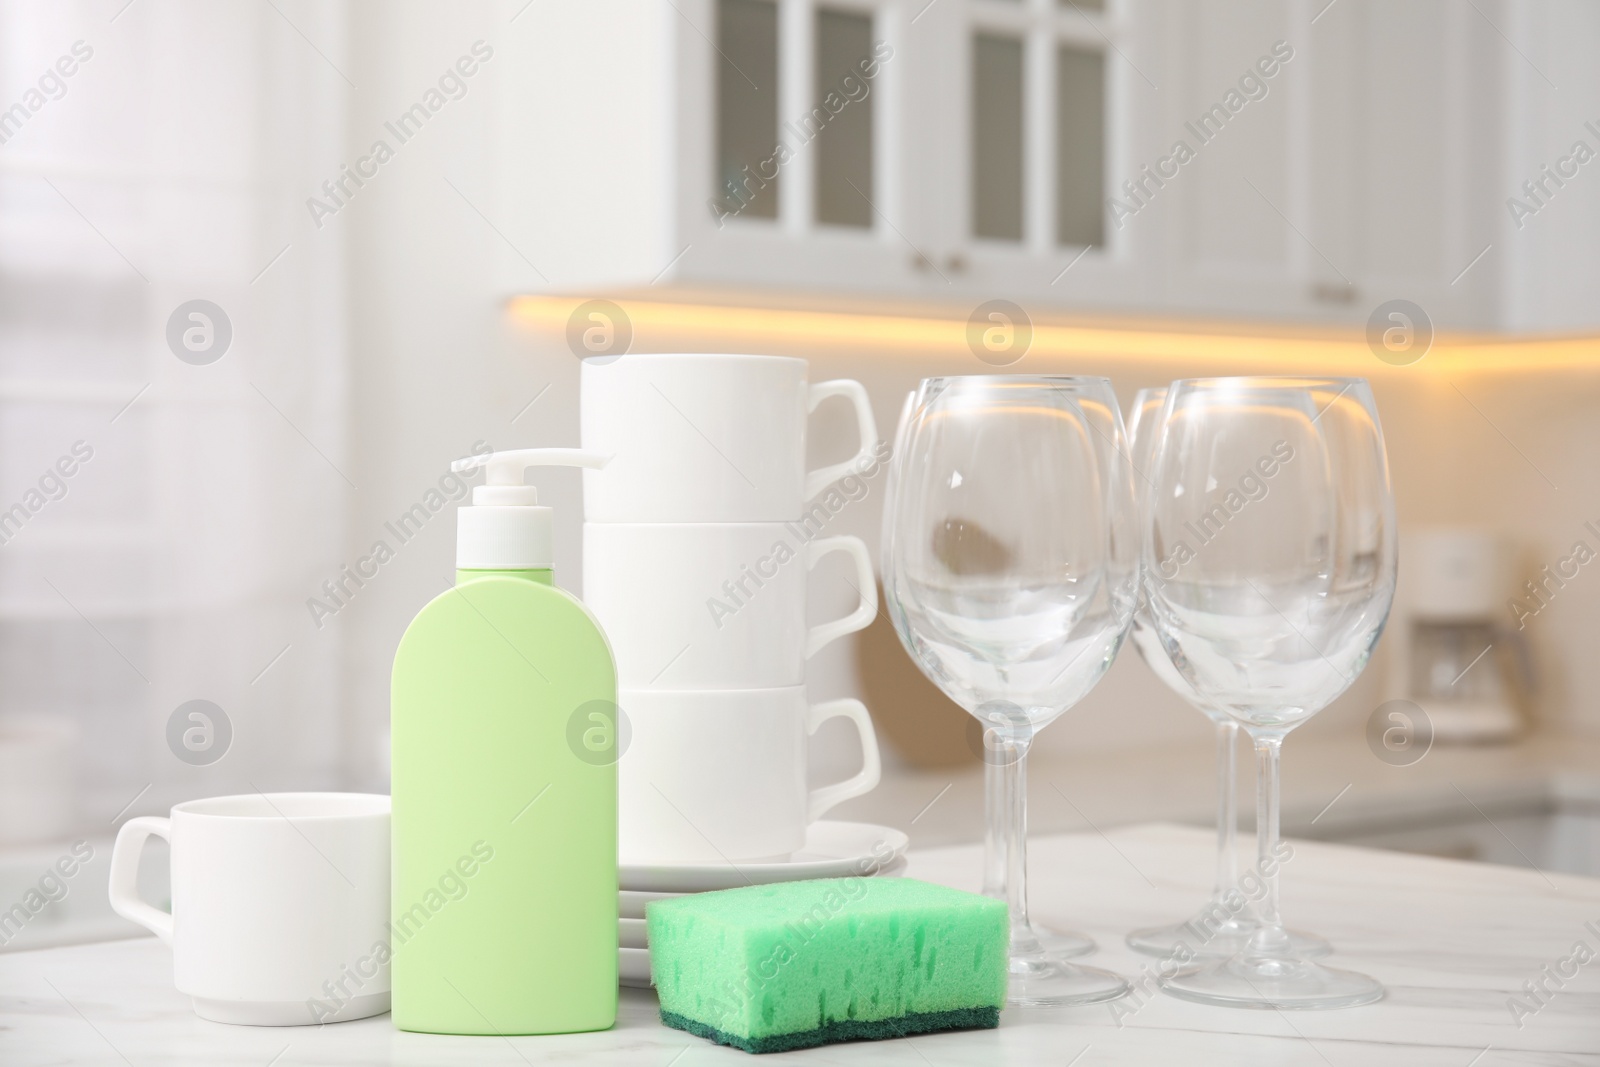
(407, 221)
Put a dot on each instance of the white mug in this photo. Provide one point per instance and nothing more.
(280, 904)
(720, 775)
(714, 605)
(706, 438)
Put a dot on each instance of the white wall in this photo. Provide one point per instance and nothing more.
(429, 377)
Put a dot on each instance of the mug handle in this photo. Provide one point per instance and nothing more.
(824, 634)
(866, 779)
(818, 480)
(125, 874)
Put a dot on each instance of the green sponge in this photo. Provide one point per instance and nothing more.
(771, 968)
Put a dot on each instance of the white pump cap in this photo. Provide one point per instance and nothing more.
(504, 528)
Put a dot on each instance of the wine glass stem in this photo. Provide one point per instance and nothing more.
(1269, 938)
(1015, 778)
(1227, 808)
(996, 818)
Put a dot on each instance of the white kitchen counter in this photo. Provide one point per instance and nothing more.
(1452, 941)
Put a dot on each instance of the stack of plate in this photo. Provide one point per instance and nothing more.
(832, 850)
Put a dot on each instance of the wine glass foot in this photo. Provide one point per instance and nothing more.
(1206, 938)
(1063, 944)
(1045, 981)
(1277, 982)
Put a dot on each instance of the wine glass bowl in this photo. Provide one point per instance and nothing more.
(999, 586)
(1269, 586)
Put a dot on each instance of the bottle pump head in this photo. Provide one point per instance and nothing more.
(505, 528)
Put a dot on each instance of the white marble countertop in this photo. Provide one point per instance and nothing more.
(1451, 941)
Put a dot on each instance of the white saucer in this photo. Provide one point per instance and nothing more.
(832, 850)
(631, 902)
(633, 968)
(630, 933)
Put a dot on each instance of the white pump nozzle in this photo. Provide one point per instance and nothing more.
(503, 481)
(504, 528)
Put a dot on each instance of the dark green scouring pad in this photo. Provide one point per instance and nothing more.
(777, 967)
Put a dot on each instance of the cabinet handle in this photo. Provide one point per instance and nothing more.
(954, 263)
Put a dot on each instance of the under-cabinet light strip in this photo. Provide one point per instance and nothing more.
(664, 323)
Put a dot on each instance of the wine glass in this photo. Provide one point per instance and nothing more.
(1010, 572)
(1269, 569)
(1060, 944)
(1225, 924)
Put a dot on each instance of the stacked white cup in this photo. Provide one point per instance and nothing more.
(696, 554)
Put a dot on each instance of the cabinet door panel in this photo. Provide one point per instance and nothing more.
(844, 146)
(1237, 122)
(747, 106)
(996, 136)
(1080, 146)
(1403, 161)
(1405, 156)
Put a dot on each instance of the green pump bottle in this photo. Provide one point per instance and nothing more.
(503, 722)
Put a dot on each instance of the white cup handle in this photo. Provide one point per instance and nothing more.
(818, 480)
(824, 634)
(826, 797)
(125, 874)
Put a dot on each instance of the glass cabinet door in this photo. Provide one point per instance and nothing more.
(843, 182)
(1037, 121)
(949, 137)
(747, 108)
(795, 103)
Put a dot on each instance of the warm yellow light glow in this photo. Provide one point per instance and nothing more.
(663, 324)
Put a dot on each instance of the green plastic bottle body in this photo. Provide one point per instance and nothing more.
(504, 813)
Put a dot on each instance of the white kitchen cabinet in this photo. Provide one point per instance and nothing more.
(607, 176)
(1369, 171)
(1358, 170)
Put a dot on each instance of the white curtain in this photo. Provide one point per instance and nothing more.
(171, 165)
